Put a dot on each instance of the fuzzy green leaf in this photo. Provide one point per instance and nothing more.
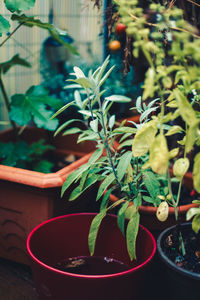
(94, 228)
(123, 164)
(105, 184)
(131, 235)
(4, 25)
(118, 99)
(144, 139)
(15, 5)
(15, 60)
(159, 155)
(196, 173)
(121, 216)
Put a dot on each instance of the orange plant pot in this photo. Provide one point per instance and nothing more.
(28, 198)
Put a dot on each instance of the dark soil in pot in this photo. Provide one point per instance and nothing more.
(173, 249)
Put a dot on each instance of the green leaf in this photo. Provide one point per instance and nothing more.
(86, 83)
(41, 117)
(118, 99)
(4, 25)
(123, 164)
(94, 228)
(121, 216)
(159, 155)
(125, 129)
(43, 166)
(152, 184)
(192, 212)
(196, 223)
(196, 173)
(78, 100)
(106, 76)
(105, 184)
(131, 235)
(144, 138)
(149, 84)
(173, 130)
(94, 125)
(62, 109)
(105, 199)
(64, 125)
(180, 167)
(15, 5)
(31, 21)
(95, 156)
(100, 70)
(80, 189)
(78, 72)
(72, 177)
(15, 60)
(72, 131)
(187, 112)
(174, 152)
(191, 136)
(111, 122)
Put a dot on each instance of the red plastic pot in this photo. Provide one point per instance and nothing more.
(67, 236)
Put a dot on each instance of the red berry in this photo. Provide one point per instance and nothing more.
(120, 28)
(192, 193)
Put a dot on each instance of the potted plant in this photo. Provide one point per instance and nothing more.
(109, 167)
(170, 46)
(30, 187)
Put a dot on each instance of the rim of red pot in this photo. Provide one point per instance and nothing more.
(131, 270)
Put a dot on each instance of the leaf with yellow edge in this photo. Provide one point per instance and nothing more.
(144, 138)
(196, 173)
(185, 108)
(180, 167)
(159, 155)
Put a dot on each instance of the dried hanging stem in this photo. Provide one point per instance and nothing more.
(172, 28)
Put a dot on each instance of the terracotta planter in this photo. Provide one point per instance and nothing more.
(66, 237)
(148, 213)
(181, 283)
(28, 198)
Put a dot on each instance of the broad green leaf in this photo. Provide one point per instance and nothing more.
(118, 98)
(131, 235)
(174, 152)
(149, 84)
(173, 130)
(78, 72)
(185, 108)
(104, 201)
(72, 131)
(144, 139)
(80, 189)
(180, 167)
(43, 166)
(15, 60)
(94, 228)
(196, 223)
(95, 156)
(191, 136)
(4, 25)
(121, 216)
(105, 184)
(192, 212)
(125, 129)
(105, 76)
(152, 184)
(62, 109)
(41, 117)
(72, 177)
(123, 164)
(159, 155)
(111, 122)
(15, 5)
(94, 125)
(64, 125)
(78, 100)
(196, 173)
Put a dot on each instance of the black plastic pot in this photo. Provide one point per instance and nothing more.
(175, 282)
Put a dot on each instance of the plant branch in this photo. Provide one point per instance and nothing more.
(10, 35)
(172, 28)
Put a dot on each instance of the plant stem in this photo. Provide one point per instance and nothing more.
(9, 36)
(7, 104)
